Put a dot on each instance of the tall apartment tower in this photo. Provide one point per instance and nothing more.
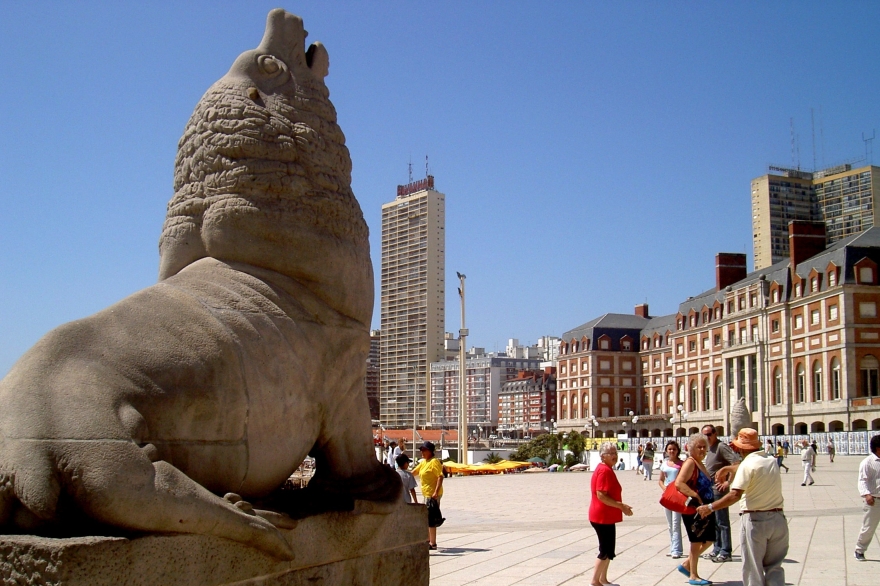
(845, 199)
(413, 291)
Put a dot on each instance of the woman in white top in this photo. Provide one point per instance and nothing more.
(668, 471)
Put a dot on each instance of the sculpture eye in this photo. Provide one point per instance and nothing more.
(270, 65)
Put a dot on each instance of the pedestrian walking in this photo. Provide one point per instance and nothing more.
(693, 481)
(430, 473)
(719, 456)
(830, 448)
(669, 469)
(764, 534)
(869, 489)
(639, 459)
(606, 509)
(780, 456)
(786, 447)
(808, 459)
(648, 460)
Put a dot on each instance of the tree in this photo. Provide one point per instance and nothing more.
(576, 444)
(492, 458)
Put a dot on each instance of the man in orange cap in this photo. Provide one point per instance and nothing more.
(764, 529)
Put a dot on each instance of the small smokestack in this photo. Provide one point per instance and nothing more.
(642, 310)
(805, 240)
(730, 267)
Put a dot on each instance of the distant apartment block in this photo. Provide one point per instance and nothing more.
(412, 303)
(798, 342)
(484, 376)
(371, 381)
(843, 198)
(527, 403)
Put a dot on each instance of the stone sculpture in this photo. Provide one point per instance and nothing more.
(247, 355)
(740, 417)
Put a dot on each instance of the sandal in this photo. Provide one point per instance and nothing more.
(684, 570)
(699, 582)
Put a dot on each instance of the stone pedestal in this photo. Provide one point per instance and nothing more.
(373, 545)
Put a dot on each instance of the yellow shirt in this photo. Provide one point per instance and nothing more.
(429, 472)
(780, 453)
(758, 477)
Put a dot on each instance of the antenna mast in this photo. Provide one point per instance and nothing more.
(410, 169)
(869, 147)
(426, 166)
(813, 127)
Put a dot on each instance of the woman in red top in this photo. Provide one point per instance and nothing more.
(606, 509)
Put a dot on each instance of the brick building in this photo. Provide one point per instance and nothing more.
(527, 403)
(798, 341)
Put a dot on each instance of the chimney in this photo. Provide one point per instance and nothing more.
(730, 267)
(642, 310)
(805, 240)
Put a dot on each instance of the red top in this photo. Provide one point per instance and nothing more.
(605, 479)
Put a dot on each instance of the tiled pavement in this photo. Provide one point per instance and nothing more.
(533, 530)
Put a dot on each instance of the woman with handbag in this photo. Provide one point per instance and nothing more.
(668, 471)
(606, 509)
(693, 481)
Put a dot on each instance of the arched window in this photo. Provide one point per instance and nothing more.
(817, 381)
(574, 406)
(681, 394)
(707, 392)
(692, 400)
(801, 384)
(835, 377)
(718, 390)
(777, 386)
(564, 405)
(868, 368)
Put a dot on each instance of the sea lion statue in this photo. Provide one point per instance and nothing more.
(246, 356)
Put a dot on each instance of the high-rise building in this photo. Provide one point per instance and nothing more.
(845, 199)
(371, 381)
(413, 290)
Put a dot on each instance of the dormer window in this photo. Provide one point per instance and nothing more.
(866, 275)
(832, 278)
(814, 285)
(797, 290)
(775, 296)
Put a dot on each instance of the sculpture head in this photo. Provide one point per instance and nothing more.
(263, 176)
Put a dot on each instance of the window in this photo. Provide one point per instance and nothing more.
(574, 407)
(707, 392)
(681, 394)
(669, 361)
(797, 290)
(604, 365)
(731, 338)
(817, 381)
(693, 320)
(814, 317)
(656, 363)
(835, 378)
(798, 321)
(692, 399)
(644, 344)
(561, 370)
(814, 284)
(627, 365)
(774, 326)
(832, 278)
(867, 309)
(832, 312)
(868, 368)
(692, 346)
(718, 391)
(775, 295)
(704, 343)
(777, 386)
(753, 300)
(716, 340)
(717, 313)
(679, 348)
(627, 398)
(866, 275)
(574, 368)
(603, 344)
(626, 345)
(730, 307)
(801, 384)
(741, 303)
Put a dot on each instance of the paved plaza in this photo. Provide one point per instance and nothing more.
(533, 530)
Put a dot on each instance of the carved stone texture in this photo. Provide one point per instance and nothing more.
(248, 354)
(356, 549)
(740, 417)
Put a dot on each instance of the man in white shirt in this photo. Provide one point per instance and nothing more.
(869, 489)
(764, 529)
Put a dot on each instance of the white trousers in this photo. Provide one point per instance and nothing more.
(869, 525)
(808, 468)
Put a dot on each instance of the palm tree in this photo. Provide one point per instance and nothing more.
(492, 458)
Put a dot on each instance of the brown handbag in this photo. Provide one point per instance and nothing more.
(675, 501)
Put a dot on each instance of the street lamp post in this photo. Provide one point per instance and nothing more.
(682, 415)
(462, 388)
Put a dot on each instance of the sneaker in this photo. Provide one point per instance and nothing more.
(812, 483)
(709, 556)
(860, 556)
(721, 558)
(676, 556)
(803, 483)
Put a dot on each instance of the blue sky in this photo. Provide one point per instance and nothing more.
(594, 155)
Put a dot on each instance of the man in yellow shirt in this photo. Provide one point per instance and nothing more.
(764, 536)
(430, 473)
